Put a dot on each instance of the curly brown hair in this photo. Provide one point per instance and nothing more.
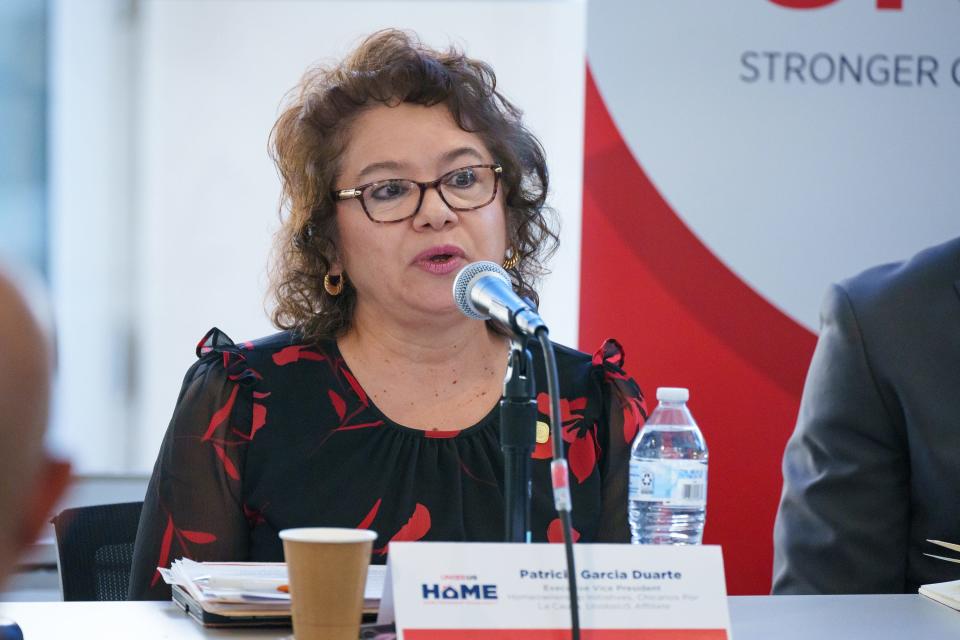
(390, 67)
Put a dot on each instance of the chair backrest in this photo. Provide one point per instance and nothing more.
(95, 550)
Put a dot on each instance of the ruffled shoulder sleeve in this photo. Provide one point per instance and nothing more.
(624, 411)
(194, 504)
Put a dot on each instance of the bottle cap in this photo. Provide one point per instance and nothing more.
(673, 394)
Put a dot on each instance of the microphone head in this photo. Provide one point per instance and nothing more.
(464, 281)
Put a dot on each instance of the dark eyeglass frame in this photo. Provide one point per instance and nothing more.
(357, 192)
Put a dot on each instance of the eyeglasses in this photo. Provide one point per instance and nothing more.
(397, 199)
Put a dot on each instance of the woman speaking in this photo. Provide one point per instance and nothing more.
(377, 404)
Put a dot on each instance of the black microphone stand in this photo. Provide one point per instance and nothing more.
(518, 433)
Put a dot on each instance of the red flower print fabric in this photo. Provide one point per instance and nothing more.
(581, 438)
(276, 433)
(171, 535)
(555, 532)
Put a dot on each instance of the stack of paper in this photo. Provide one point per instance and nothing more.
(249, 589)
(947, 593)
(238, 589)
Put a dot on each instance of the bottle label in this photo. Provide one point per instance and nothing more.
(681, 483)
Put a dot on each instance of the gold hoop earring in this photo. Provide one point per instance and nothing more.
(512, 260)
(333, 284)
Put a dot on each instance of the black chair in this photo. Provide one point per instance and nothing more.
(95, 550)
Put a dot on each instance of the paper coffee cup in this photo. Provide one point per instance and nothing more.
(328, 572)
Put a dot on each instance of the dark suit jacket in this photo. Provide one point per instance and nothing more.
(873, 467)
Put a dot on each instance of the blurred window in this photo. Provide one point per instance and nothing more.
(23, 127)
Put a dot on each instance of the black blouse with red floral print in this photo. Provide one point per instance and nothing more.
(275, 433)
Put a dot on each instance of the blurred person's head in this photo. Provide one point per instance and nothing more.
(30, 481)
(312, 139)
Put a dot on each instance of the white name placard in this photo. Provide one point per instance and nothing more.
(489, 591)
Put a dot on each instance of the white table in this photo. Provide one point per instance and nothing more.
(109, 620)
(873, 617)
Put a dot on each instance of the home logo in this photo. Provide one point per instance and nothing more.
(882, 5)
(458, 588)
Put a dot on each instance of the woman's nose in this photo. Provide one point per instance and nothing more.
(434, 212)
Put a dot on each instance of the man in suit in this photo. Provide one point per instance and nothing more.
(30, 481)
(872, 469)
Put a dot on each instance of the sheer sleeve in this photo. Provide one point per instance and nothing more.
(624, 412)
(193, 507)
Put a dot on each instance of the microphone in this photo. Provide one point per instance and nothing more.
(482, 291)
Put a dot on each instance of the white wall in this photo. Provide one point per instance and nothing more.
(164, 201)
(92, 91)
(213, 74)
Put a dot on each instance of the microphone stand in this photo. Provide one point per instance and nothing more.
(518, 433)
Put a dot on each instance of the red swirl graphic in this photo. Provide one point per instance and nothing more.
(690, 321)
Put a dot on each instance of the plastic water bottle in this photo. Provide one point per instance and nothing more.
(668, 475)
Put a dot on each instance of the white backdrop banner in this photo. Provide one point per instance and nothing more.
(740, 157)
